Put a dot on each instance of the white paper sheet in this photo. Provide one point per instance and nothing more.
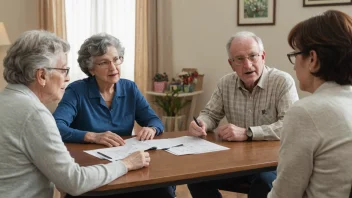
(116, 153)
(190, 145)
(194, 145)
(163, 143)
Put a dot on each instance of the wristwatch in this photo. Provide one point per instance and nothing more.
(249, 134)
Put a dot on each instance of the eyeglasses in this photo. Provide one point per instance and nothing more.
(65, 71)
(292, 56)
(240, 60)
(107, 63)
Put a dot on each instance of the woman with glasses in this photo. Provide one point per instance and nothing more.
(33, 156)
(316, 140)
(102, 108)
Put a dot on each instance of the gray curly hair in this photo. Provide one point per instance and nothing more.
(97, 45)
(33, 50)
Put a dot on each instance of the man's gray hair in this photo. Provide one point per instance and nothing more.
(244, 34)
(97, 45)
(33, 50)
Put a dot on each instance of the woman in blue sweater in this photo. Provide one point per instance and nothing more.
(103, 107)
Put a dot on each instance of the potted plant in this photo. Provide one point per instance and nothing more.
(188, 80)
(175, 84)
(160, 81)
(171, 105)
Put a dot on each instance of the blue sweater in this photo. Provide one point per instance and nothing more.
(83, 109)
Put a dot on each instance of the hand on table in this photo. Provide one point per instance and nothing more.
(195, 130)
(231, 132)
(146, 133)
(136, 160)
(107, 138)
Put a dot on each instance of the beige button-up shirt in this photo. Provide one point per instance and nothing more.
(262, 110)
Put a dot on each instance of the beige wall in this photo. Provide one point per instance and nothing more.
(201, 28)
(18, 16)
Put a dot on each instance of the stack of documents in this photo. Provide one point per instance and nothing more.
(178, 146)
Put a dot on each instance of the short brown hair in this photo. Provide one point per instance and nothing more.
(330, 35)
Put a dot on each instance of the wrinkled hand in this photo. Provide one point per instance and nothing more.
(137, 160)
(195, 130)
(146, 133)
(231, 132)
(108, 139)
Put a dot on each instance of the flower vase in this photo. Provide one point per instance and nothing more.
(187, 88)
(159, 86)
(169, 123)
(172, 123)
(180, 123)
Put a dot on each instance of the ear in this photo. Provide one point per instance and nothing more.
(314, 64)
(230, 63)
(91, 72)
(263, 56)
(41, 77)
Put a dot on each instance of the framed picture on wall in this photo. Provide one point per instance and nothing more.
(309, 3)
(256, 12)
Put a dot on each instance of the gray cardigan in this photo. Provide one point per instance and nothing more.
(315, 158)
(33, 154)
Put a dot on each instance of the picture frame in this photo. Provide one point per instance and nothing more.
(311, 3)
(256, 12)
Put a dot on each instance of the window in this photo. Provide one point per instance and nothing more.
(87, 17)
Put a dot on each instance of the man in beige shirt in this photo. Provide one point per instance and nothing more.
(254, 100)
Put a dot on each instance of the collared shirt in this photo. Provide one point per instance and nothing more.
(83, 109)
(262, 110)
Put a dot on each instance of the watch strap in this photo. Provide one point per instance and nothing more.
(249, 137)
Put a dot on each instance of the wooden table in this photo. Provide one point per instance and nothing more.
(166, 169)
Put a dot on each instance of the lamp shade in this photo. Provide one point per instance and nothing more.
(4, 39)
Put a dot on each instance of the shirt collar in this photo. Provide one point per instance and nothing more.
(262, 83)
(326, 85)
(23, 89)
(94, 89)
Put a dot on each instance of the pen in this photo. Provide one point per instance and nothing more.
(151, 148)
(104, 155)
(195, 119)
(172, 147)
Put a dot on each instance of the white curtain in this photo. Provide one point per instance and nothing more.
(87, 17)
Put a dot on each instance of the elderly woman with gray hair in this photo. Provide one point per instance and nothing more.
(33, 156)
(102, 108)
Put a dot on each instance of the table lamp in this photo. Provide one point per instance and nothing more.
(4, 39)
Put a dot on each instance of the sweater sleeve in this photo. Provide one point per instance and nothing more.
(299, 141)
(41, 142)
